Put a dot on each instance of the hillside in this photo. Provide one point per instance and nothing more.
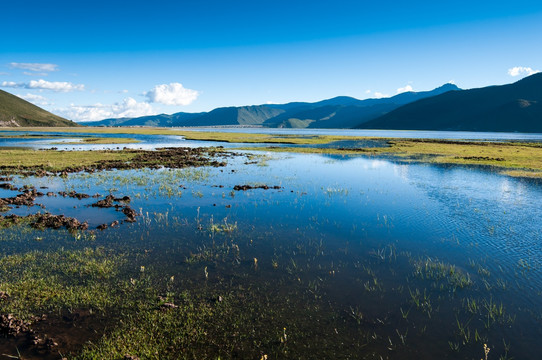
(15, 112)
(244, 115)
(514, 107)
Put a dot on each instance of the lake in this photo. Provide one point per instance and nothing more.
(349, 257)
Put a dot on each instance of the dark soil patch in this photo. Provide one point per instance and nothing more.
(47, 220)
(479, 158)
(47, 337)
(7, 186)
(174, 158)
(249, 187)
(26, 198)
(74, 195)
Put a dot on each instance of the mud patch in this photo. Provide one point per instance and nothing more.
(250, 187)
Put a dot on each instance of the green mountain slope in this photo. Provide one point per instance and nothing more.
(244, 115)
(514, 107)
(15, 112)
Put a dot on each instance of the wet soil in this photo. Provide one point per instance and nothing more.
(49, 337)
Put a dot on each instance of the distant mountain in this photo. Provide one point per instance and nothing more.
(338, 112)
(244, 115)
(15, 112)
(162, 120)
(345, 112)
(514, 107)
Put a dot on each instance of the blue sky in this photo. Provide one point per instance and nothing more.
(128, 58)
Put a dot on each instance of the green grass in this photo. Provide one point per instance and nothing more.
(39, 282)
(510, 158)
(517, 159)
(21, 159)
(24, 161)
(152, 333)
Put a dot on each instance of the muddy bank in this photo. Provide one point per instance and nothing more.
(174, 158)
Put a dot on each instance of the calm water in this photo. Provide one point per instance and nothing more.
(358, 255)
(151, 142)
(414, 134)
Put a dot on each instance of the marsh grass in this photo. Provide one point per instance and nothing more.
(444, 276)
(54, 161)
(38, 281)
(510, 158)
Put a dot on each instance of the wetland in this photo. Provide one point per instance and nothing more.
(204, 244)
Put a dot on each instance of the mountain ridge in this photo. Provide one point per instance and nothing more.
(515, 107)
(337, 112)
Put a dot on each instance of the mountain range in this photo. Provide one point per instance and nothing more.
(15, 112)
(338, 112)
(513, 107)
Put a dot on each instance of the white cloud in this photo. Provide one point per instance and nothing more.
(129, 107)
(28, 73)
(404, 89)
(367, 91)
(58, 86)
(36, 67)
(9, 84)
(379, 95)
(172, 94)
(521, 70)
(35, 99)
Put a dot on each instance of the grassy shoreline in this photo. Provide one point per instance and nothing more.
(519, 159)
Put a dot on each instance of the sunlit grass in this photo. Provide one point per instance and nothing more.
(38, 282)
